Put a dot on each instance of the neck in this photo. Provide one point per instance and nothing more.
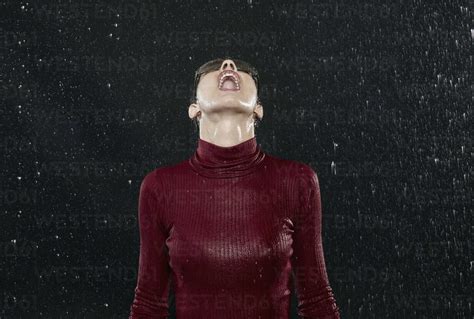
(216, 161)
(226, 131)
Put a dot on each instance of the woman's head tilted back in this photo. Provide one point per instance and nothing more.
(225, 87)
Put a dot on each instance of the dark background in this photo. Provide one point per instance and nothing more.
(375, 96)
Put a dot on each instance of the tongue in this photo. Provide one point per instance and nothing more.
(228, 84)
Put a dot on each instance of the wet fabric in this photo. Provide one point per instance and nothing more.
(230, 230)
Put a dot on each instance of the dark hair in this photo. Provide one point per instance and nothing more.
(215, 64)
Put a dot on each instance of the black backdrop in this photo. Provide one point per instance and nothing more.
(375, 96)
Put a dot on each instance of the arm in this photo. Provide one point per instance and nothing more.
(315, 296)
(151, 292)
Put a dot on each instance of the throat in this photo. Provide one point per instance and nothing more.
(216, 161)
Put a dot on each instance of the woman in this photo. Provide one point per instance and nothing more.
(228, 228)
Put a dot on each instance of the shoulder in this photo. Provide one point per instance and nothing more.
(149, 183)
(306, 179)
(307, 173)
(293, 169)
(153, 180)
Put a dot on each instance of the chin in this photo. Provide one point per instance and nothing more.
(229, 101)
(232, 102)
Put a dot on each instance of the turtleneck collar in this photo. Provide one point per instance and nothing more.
(216, 161)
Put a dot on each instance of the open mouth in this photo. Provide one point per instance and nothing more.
(229, 81)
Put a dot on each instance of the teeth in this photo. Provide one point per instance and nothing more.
(227, 74)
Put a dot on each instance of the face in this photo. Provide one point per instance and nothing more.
(225, 85)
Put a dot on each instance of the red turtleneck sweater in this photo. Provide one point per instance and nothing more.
(226, 229)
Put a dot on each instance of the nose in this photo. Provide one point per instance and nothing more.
(228, 65)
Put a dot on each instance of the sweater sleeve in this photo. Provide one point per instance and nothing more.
(152, 288)
(315, 296)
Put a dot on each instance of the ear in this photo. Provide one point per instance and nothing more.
(259, 110)
(193, 110)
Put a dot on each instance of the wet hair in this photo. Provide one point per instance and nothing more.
(214, 65)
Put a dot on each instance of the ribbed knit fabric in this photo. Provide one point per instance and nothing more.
(225, 230)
